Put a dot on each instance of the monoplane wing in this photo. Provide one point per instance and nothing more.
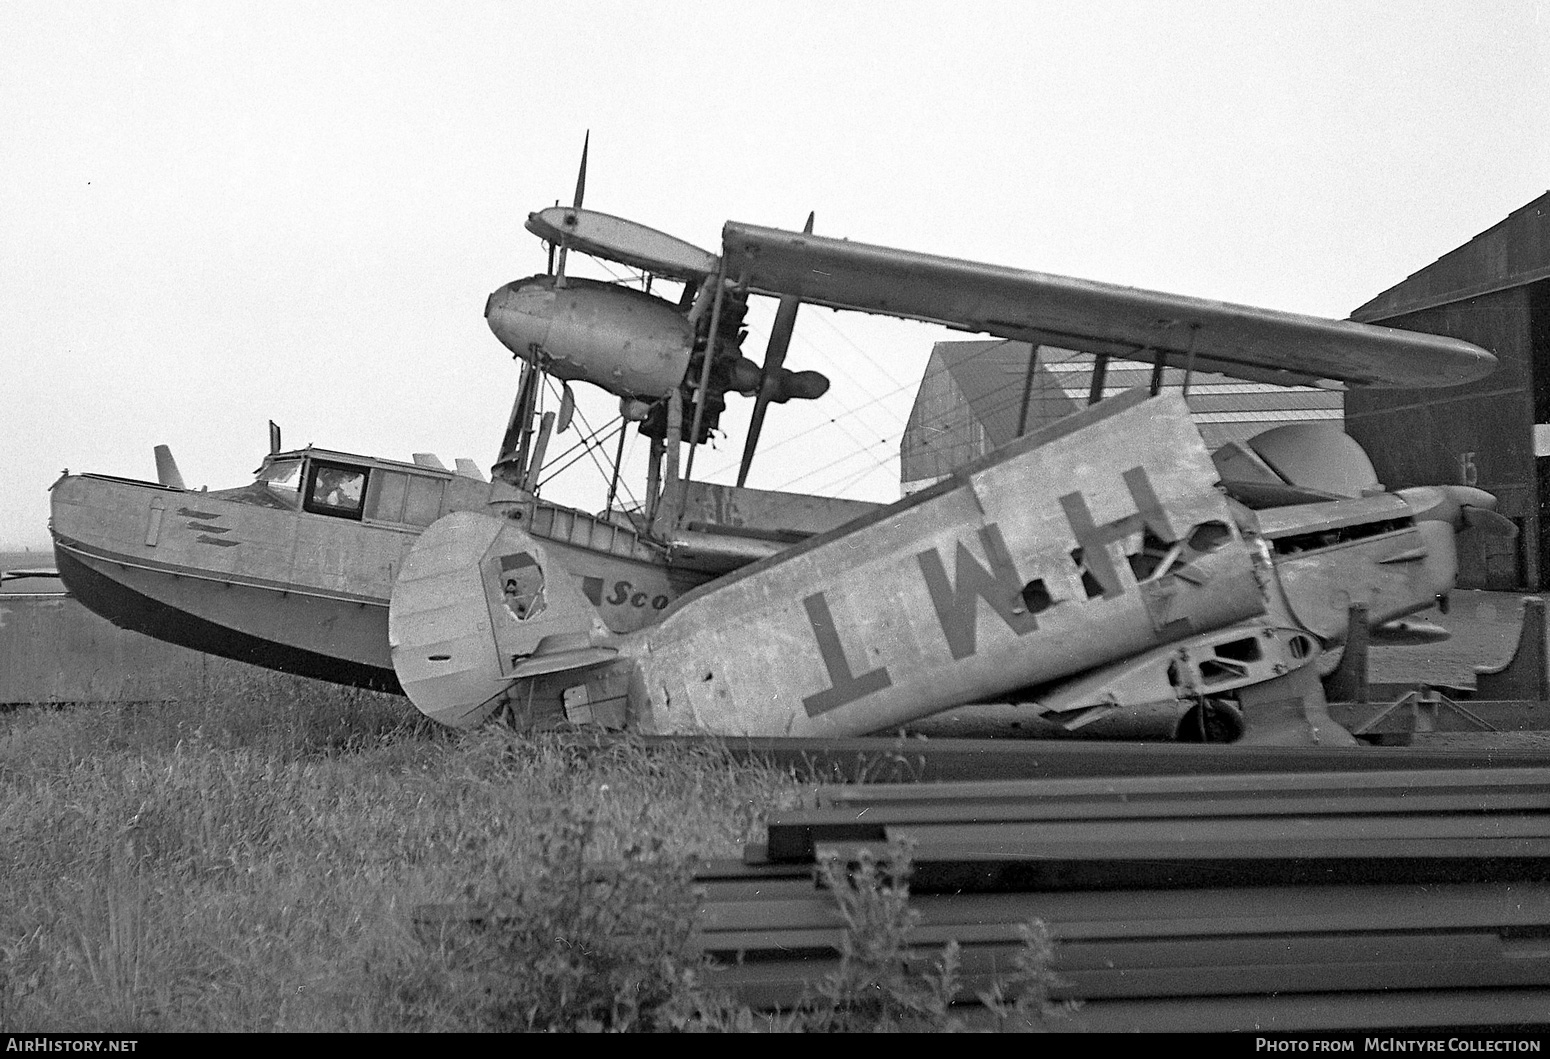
(1262, 345)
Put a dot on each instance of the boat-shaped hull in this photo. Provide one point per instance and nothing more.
(295, 587)
(276, 588)
(168, 607)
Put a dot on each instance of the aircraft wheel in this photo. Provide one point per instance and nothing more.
(1211, 721)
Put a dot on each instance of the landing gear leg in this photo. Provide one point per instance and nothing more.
(1211, 721)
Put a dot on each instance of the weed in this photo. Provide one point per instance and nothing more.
(567, 945)
(882, 983)
(887, 982)
(1022, 1000)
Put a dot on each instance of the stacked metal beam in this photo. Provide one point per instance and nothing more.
(874, 759)
(1338, 899)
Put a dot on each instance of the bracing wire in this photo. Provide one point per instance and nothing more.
(864, 449)
(986, 410)
(836, 420)
(584, 446)
(591, 442)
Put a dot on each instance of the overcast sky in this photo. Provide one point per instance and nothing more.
(221, 213)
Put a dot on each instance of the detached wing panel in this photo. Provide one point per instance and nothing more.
(1246, 342)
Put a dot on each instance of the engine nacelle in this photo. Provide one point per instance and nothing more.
(1371, 551)
(630, 343)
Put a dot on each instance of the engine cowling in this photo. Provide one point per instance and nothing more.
(630, 343)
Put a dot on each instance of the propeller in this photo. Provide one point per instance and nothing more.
(581, 190)
(1488, 521)
(1462, 506)
(775, 382)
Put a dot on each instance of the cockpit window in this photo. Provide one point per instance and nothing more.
(336, 489)
(283, 479)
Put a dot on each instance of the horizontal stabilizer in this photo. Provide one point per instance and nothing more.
(561, 652)
(476, 601)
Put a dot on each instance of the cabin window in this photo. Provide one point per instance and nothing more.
(283, 479)
(423, 504)
(336, 489)
(385, 498)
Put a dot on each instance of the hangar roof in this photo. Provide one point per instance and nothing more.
(1511, 253)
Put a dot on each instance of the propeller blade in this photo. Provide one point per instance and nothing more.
(1462, 506)
(774, 356)
(755, 424)
(1487, 521)
(581, 177)
(581, 191)
(769, 383)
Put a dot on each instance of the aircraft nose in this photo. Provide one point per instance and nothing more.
(502, 318)
(496, 301)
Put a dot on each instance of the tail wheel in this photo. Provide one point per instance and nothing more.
(1211, 721)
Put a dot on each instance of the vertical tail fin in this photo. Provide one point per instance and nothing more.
(167, 472)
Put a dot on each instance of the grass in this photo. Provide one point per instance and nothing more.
(259, 859)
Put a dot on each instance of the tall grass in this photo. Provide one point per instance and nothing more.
(259, 858)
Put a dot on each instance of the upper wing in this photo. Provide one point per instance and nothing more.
(622, 240)
(1246, 342)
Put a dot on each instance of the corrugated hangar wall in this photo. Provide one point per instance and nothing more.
(1495, 433)
(976, 396)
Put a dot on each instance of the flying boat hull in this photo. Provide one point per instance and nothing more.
(250, 583)
(233, 621)
(306, 591)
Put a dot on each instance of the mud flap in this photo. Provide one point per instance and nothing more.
(476, 600)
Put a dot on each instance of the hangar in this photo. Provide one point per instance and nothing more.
(1493, 291)
(978, 395)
